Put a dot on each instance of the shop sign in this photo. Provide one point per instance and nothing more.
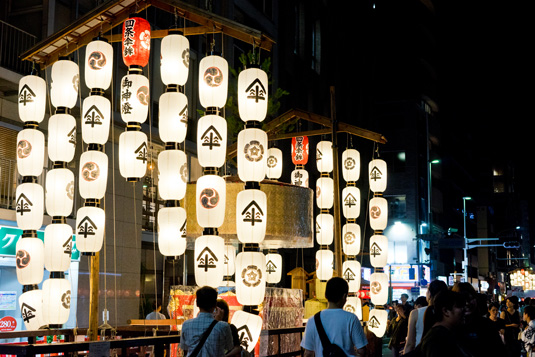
(7, 323)
(8, 300)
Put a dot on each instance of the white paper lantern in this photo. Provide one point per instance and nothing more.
(173, 117)
(90, 229)
(211, 196)
(96, 114)
(324, 264)
(32, 98)
(252, 154)
(172, 174)
(98, 64)
(65, 84)
(93, 176)
(351, 272)
(30, 206)
(299, 177)
(135, 98)
(378, 213)
(324, 228)
(378, 251)
(58, 247)
(273, 268)
(249, 327)
(379, 288)
(213, 81)
(230, 260)
(61, 137)
(31, 309)
(174, 62)
(171, 221)
(351, 165)
(212, 141)
(251, 216)
(377, 175)
(325, 192)
(354, 305)
(274, 164)
(324, 156)
(133, 154)
(377, 322)
(351, 237)
(30, 152)
(29, 261)
(59, 192)
(250, 278)
(209, 261)
(252, 94)
(56, 301)
(351, 202)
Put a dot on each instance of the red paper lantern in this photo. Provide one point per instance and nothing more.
(136, 42)
(300, 150)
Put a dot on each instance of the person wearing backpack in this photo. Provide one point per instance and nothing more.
(334, 332)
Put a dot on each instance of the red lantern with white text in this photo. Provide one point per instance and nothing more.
(136, 42)
(300, 150)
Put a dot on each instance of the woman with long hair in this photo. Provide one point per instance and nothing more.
(511, 316)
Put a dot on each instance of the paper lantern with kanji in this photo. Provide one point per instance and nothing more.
(65, 83)
(171, 225)
(172, 174)
(29, 261)
(59, 192)
(325, 192)
(274, 163)
(300, 150)
(32, 98)
(252, 94)
(378, 251)
(135, 98)
(136, 42)
(31, 309)
(96, 118)
(252, 154)
(90, 229)
(133, 154)
(213, 81)
(354, 305)
(377, 322)
(251, 216)
(173, 117)
(379, 288)
(324, 264)
(378, 213)
(98, 64)
(250, 278)
(324, 228)
(212, 141)
(273, 268)
(61, 137)
(249, 327)
(351, 237)
(30, 152)
(56, 301)
(209, 260)
(299, 177)
(174, 59)
(93, 176)
(351, 273)
(211, 196)
(230, 260)
(377, 175)
(351, 165)
(58, 247)
(324, 156)
(351, 202)
(30, 206)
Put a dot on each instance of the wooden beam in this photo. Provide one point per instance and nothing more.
(93, 296)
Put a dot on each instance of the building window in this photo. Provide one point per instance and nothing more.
(316, 46)
(397, 206)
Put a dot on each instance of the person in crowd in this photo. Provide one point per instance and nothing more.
(397, 330)
(441, 340)
(222, 314)
(528, 335)
(420, 301)
(497, 321)
(404, 297)
(511, 317)
(416, 317)
(156, 314)
(342, 328)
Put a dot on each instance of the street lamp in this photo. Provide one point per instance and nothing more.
(465, 259)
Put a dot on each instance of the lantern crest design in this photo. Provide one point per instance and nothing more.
(209, 260)
(377, 322)
(32, 98)
(274, 163)
(136, 42)
(351, 165)
(252, 94)
(300, 150)
(377, 175)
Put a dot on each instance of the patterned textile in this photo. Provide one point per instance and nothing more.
(528, 338)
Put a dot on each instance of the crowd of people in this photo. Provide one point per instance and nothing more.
(459, 321)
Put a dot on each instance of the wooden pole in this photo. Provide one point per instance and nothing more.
(93, 296)
(336, 180)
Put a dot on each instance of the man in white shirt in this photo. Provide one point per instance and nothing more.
(341, 327)
(156, 314)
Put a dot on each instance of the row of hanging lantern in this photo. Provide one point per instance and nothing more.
(378, 216)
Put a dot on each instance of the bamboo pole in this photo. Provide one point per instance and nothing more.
(93, 296)
(336, 179)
